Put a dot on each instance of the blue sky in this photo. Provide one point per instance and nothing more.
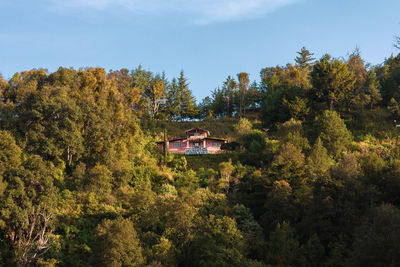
(208, 39)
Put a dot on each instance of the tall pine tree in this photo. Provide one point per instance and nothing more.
(188, 107)
(305, 58)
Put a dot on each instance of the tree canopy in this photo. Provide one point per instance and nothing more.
(309, 176)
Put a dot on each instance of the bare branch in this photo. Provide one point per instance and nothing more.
(35, 239)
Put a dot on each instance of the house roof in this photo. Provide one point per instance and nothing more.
(172, 139)
(184, 138)
(198, 129)
(193, 130)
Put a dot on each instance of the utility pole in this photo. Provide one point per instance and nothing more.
(165, 147)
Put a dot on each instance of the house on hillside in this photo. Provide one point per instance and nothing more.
(197, 141)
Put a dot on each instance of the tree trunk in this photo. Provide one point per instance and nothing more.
(165, 147)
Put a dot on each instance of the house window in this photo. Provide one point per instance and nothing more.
(196, 145)
(216, 144)
(177, 144)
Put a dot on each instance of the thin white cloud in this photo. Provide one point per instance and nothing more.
(199, 11)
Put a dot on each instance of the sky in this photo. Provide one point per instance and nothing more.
(208, 39)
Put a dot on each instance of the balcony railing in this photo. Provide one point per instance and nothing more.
(196, 151)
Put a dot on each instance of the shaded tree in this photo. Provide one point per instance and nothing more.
(373, 95)
(389, 79)
(282, 246)
(206, 108)
(376, 241)
(312, 252)
(254, 142)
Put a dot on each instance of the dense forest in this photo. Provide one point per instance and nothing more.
(310, 177)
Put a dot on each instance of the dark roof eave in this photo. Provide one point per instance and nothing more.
(173, 139)
(219, 139)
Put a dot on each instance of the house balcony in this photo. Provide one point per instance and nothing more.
(196, 151)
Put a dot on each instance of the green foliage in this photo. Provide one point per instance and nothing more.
(164, 252)
(333, 132)
(180, 103)
(243, 85)
(394, 108)
(290, 126)
(289, 165)
(389, 182)
(28, 206)
(305, 58)
(373, 95)
(361, 95)
(254, 142)
(179, 163)
(117, 244)
(218, 243)
(78, 151)
(389, 78)
(220, 97)
(284, 90)
(206, 176)
(347, 168)
(99, 180)
(225, 170)
(332, 83)
(319, 161)
(297, 107)
(10, 153)
(212, 161)
(372, 165)
(279, 198)
(245, 220)
(292, 131)
(206, 109)
(234, 98)
(242, 127)
(376, 239)
(282, 246)
(312, 252)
